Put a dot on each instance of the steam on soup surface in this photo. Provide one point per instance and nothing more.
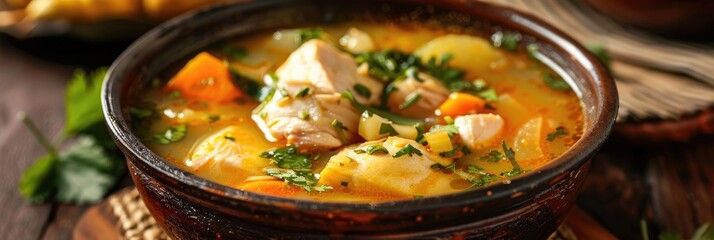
(360, 112)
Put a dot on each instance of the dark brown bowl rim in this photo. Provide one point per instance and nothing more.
(589, 143)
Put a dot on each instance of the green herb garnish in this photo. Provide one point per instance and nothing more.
(387, 128)
(287, 157)
(306, 34)
(172, 134)
(493, 156)
(371, 150)
(235, 53)
(410, 100)
(511, 155)
(362, 90)
(302, 178)
(407, 150)
(304, 115)
(559, 132)
(340, 128)
(387, 115)
(213, 118)
(303, 92)
(507, 41)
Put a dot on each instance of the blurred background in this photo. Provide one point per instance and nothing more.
(655, 175)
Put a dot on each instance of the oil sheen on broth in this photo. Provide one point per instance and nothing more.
(360, 112)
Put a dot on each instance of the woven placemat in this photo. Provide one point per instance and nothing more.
(124, 216)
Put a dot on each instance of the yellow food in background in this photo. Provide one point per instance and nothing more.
(98, 10)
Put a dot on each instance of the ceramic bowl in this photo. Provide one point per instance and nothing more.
(187, 206)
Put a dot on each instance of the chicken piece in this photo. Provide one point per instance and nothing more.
(283, 118)
(319, 65)
(234, 148)
(405, 175)
(479, 130)
(308, 98)
(430, 91)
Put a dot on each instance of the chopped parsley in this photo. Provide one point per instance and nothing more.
(493, 156)
(511, 155)
(340, 128)
(376, 148)
(302, 178)
(480, 178)
(559, 132)
(287, 157)
(304, 115)
(532, 50)
(407, 150)
(507, 41)
(451, 166)
(306, 34)
(140, 113)
(214, 118)
(488, 94)
(344, 184)
(411, 99)
(362, 90)
(303, 92)
(235, 53)
(556, 82)
(171, 135)
(387, 128)
(251, 87)
(229, 137)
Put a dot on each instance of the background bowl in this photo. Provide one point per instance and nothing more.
(189, 207)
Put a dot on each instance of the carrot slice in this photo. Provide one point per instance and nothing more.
(461, 104)
(205, 78)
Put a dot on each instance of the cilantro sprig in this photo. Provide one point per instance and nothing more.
(88, 168)
(304, 179)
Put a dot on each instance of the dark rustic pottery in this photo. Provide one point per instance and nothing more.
(530, 206)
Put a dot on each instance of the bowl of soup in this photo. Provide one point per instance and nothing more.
(368, 119)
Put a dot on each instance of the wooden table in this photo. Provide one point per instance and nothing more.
(670, 184)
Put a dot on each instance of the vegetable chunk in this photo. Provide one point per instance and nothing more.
(468, 52)
(205, 78)
(407, 175)
(232, 148)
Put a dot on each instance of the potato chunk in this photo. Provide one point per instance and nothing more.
(528, 140)
(468, 52)
(406, 175)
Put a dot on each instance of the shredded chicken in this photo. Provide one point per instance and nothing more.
(308, 98)
(431, 94)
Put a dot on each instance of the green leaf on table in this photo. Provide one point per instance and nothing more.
(82, 174)
(83, 101)
(36, 182)
(85, 173)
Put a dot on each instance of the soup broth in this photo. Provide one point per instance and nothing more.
(360, 112)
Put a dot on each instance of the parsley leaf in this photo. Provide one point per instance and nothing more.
(288, 157)
(559, 132)
(234, 52)
(83, 101)
(411, 99)
(387, 128)
(171, 135)
(306, 34)
(387, 115)
(493, 156)
(362, 90)
(376, 148)
(340, 130)
(304, 179)
(508, 41)
(407, 150)
(511, 155)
